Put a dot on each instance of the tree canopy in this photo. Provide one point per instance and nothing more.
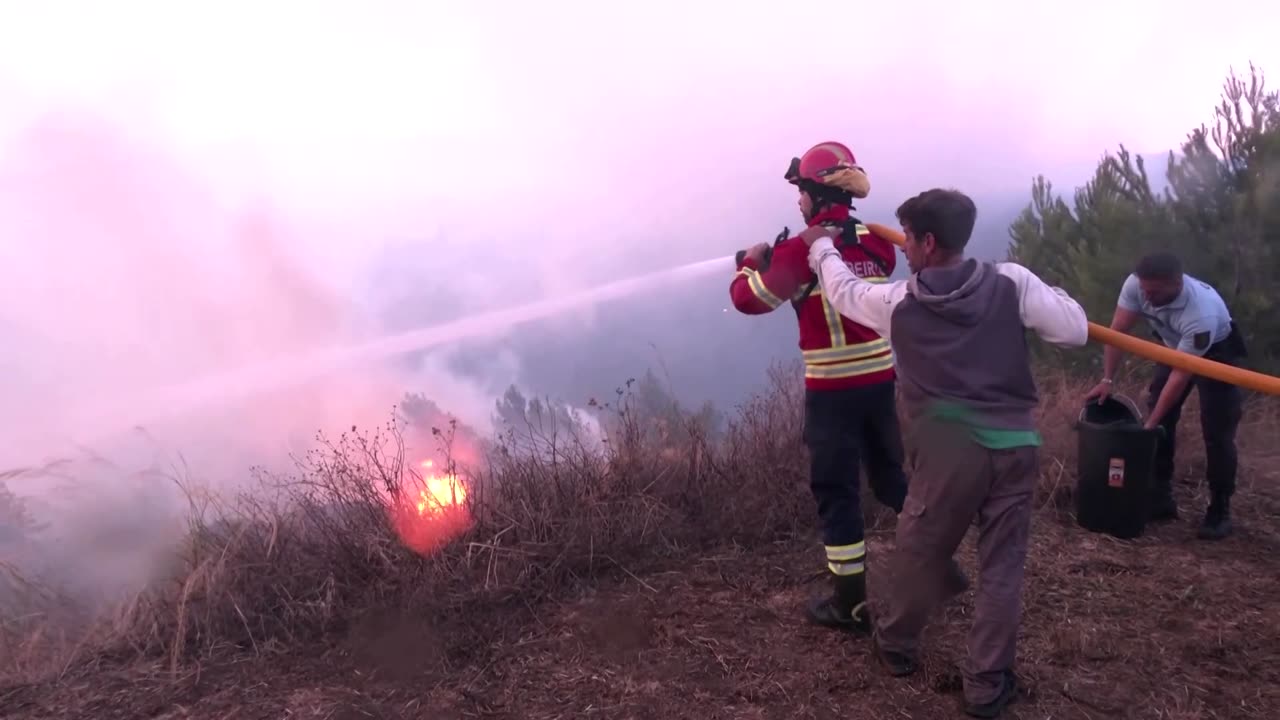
(1218, 210)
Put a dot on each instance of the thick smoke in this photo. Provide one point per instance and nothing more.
(122, 274)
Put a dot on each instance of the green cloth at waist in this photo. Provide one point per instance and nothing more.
(988, 437)
(996, 439)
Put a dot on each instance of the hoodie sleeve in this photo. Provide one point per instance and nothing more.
(1049, 311)
(868, 304)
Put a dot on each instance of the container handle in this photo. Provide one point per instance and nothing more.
(1119, 397)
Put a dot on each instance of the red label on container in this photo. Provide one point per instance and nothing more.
(1115, 476)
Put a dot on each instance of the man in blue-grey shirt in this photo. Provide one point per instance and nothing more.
(1189, 315)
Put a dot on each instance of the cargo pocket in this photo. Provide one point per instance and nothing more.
(912, 532)
(913, 507)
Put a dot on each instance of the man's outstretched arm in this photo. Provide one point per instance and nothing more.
(868, 304)
(1049, 311)
(1196, 340)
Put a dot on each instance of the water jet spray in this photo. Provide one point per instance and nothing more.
(211, 391)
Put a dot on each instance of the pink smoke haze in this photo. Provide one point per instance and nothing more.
(131, 276)
(191, 189)
(187, 189)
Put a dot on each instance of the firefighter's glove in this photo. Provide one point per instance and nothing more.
(757, 253)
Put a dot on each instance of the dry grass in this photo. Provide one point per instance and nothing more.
(644, 581)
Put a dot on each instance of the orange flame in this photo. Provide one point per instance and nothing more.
(440, 492)
(441, 512)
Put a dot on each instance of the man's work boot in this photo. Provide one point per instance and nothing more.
(1008, 691)
(846, 608)
(897, 664)
(1217, 519)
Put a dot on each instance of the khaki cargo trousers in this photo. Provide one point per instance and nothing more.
(955, 483)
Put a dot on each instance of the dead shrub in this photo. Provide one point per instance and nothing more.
(301, 556)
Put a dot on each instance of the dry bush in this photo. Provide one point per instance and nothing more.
(40, 629)
(35, 618)
(301, 556)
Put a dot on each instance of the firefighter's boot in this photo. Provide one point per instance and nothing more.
(1217, 519)
(846, 608)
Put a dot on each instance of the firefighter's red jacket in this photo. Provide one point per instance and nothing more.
(838, 353)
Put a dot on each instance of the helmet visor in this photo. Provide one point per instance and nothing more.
(793, 171)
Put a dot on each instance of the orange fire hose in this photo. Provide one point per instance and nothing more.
(1255, 381)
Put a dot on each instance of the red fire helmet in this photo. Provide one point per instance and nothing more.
(830, 164)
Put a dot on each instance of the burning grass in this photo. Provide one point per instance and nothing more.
(472, 579)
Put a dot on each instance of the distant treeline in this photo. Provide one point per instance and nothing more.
(1220, 212)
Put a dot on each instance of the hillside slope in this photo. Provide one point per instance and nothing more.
(1162, 627)
(1168, 627)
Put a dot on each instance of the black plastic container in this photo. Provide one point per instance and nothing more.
(1114, 468)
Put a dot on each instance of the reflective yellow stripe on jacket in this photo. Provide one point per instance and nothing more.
(845, 360)
(848, 360)
(756, 283)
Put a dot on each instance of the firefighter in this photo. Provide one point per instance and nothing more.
(1189, 315)
(850, 413)
(958, 329)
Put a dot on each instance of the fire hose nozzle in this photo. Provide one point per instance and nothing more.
(768, 253)
(764, 261)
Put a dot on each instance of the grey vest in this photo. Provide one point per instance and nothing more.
(958, 338)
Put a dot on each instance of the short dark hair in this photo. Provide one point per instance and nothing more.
(1161, 265)
(947, 214)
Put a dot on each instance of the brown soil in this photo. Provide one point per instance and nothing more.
(608, 598)
(1163, 627)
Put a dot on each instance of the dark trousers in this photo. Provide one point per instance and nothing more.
(1220, 411)
(843, 428)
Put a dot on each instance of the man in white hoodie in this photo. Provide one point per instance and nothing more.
(958, 330)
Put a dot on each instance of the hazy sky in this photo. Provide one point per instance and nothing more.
(481, 154)
(456, 113)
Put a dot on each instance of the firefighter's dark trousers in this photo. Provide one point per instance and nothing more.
(843, 428)
(954, 481)
(1220, 412)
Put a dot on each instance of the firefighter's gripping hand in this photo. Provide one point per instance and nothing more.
(811, 235)
(757, 252)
